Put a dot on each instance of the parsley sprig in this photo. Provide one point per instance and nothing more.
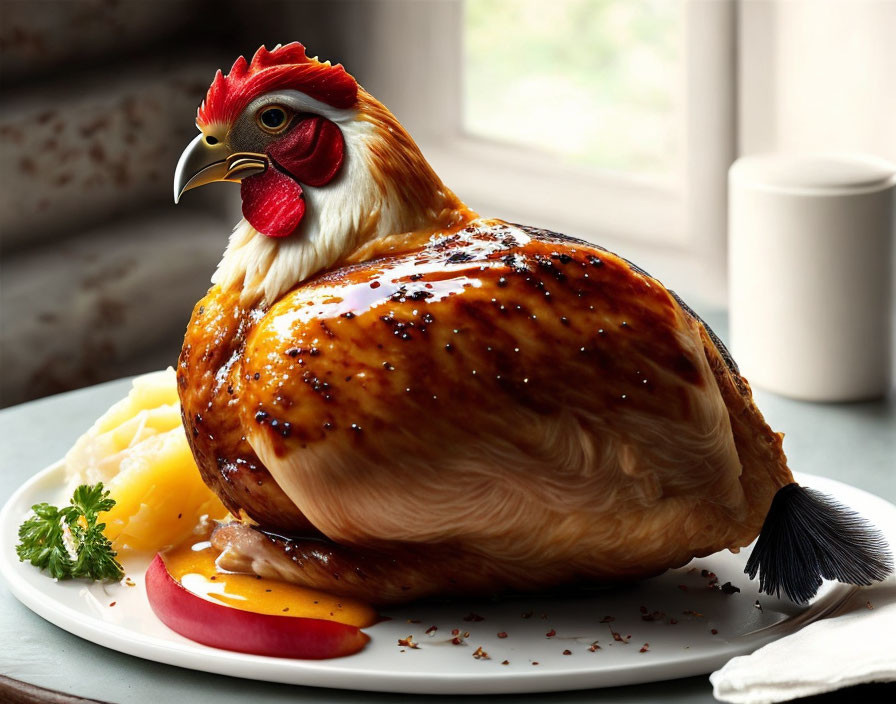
(84, 551)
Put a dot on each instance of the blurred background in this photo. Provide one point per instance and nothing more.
(611, 120)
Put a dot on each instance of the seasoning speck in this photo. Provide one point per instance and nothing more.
(644, 648)
(502, 634)
(408, 642)
(480, 654)
(551, 633)
(567, 652)
(458, 638)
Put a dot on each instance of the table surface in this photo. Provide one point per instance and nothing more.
(854, 443)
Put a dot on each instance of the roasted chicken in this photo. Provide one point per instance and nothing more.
(400, 398)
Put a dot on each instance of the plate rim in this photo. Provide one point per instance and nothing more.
(321, 674)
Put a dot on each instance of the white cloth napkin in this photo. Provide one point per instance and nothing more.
(855, 645)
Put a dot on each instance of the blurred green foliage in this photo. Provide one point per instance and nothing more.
(596, 82)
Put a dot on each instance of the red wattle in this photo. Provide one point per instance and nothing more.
(312, 152)
(273, 203)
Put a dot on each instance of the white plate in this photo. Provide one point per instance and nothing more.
(711, 627)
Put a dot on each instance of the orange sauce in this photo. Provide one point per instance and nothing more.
(192, 563)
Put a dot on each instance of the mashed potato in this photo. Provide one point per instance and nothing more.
(139, 451)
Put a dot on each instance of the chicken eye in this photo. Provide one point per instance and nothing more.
(272, 119)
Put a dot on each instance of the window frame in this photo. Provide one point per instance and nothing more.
(685, 220)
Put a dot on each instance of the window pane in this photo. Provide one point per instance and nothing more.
(592, 81)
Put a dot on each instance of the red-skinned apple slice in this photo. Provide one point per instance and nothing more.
(229, 628)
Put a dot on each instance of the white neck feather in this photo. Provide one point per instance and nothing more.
(352, 209)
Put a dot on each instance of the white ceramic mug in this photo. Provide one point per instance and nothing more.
(810, 273)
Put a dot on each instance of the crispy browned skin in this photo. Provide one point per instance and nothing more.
(214, 341)
(509, 400)
(388, 576)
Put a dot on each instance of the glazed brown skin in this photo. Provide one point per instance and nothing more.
(493, 408)
(214, 340)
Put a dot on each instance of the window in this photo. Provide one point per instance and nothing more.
(587, 82)
(498, 94)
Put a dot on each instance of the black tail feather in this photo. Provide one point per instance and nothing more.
(806, 536)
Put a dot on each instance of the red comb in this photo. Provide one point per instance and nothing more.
(286, 67)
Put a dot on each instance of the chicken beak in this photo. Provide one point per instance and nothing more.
(203, 163)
